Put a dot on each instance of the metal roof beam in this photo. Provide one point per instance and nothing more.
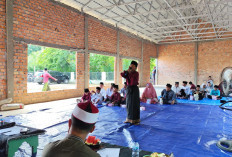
(114, 5)
(188, 34)
(210, 16)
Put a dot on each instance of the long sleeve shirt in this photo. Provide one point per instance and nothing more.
(132, 79)
(186, 89)
(96, 97)
(168, 95)
(87, 97)
(109, 92)
(103, 92)
(215, 92)
(123, 92)
(193, 87)
(46, 77)
(176, 89)
(116, 97)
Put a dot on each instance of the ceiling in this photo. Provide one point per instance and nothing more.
(164, 21)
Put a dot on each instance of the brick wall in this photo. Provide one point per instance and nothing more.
(2, 50)
(175, 63)
(213, 58)
(129, 46)
(101, 38)
(44, 21)
(149, 50)
(52, 24)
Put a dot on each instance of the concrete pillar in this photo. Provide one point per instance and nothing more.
(157, 55)
(141, 68)
(86, 80)
(10, 49)
(117, 76)
(196, 63)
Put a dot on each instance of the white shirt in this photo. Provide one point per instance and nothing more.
(95, 97)
(109, 92)
(176, 89)
(103, 92)
(186, 89)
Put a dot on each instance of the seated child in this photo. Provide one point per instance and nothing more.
(123, 92)
(215, 92)
(87, 96)
(192, 86)
(186, 88)
(198, 91)
(209, 88)
(149, 95)
(176, 88)
(168, 96)
(109, 92)
(97, 97)
(182, 95)
(115, 98)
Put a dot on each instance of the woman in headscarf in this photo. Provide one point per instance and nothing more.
(149, 95)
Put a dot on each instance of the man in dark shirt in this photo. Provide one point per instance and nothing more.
(132, 94)
(81, 124)
(168, 95)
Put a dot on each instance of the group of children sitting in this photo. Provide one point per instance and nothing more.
(102, 96)
(168, 96)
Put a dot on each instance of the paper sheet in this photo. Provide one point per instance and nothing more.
(109, 152)
(11, 131)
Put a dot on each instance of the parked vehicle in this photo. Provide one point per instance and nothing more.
(30, 77)
(61, 78)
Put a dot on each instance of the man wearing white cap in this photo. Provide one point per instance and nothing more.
(82, 123)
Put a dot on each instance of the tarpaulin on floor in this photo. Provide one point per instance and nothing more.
(187, 130)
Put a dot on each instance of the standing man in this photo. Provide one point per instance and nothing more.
(46, 77)
(132, 94)
(153, 74)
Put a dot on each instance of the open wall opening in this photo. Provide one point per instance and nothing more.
(101, 69)
(153, 70)
(60, 64)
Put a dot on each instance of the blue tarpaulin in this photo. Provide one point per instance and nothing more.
(186, 129)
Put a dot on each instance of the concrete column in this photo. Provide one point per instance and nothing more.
(10, 49)
(141, 68)
(117, 61)
(86, 80)
(196, 63)
(157, 55)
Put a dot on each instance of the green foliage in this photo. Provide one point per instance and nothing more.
(101, 63)
(34, 48)
(53, 59)
(152, 64)
(126, 63)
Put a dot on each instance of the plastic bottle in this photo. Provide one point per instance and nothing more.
(161, 101)
(1, 120)
(135, 149)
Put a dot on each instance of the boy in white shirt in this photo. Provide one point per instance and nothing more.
(109, 92)
(176, 88)
(186, 88)
(103, 91)
(96, 98)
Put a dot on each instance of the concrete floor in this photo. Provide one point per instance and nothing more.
(39, 106)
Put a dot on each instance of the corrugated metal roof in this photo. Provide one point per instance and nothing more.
(164, 21)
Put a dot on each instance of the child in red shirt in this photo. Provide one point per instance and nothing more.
(86, 97)
(115, 99)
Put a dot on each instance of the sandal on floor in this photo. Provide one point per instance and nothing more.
(136, 123)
